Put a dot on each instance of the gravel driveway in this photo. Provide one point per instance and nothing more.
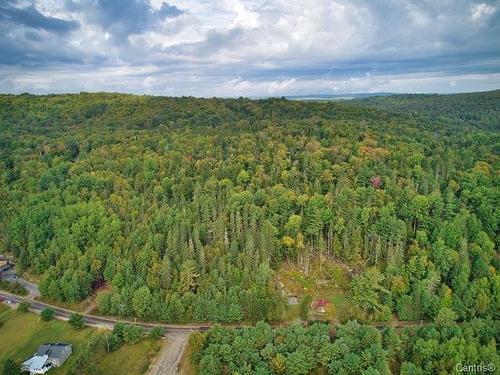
(11, 276)
(170, 356)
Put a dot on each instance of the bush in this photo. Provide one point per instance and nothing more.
(23, 307)
(114, 342)
(47, 314)
(156, 333)
(84, 360)
(132, 333)
(10, 367)
(124, 333)
(118, 330)
(77, 320)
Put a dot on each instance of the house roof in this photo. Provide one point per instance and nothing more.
(321, 302)
(35, 363)
(53, 350)
(43, 349)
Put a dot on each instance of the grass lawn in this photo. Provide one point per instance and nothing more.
(130, 359)
(22, 333)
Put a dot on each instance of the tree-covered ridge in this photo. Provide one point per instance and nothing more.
(475, 109)
(184, 206)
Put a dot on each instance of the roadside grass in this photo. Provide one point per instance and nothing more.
(74, 306)
(3, 308)
(13, 287)
(130, 359)
(22, 333)
(186, 365)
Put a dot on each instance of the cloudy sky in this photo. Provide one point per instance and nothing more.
(249, 48)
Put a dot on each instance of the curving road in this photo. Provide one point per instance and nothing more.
(101, 321)
(168, 359)
(109, 322)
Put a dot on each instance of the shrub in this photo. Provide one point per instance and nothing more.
(118, 330)
(132, 333)
(10, 367)
(23, 307)
(47, 314)
(77, 320)
(156, 333)
(114, 342)
(84, 360)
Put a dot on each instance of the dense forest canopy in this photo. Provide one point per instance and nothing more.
(348, 349)
(183, 207)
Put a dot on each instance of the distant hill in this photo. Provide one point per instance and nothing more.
(314, 97)
(476, 108)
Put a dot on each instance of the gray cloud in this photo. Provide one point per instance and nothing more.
(125, 17)
(11, 12)
(28, 37)
(238, 47)
(168, 10)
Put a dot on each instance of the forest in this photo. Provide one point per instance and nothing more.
(182, 209)
(348, 349)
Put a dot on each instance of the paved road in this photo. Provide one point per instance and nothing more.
(109, 322)
(101, 321)
(168, 360)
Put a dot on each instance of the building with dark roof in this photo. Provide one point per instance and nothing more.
(47, 356)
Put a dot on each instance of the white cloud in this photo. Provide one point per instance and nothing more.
(481, 11)
(254, 48)
(244, 17)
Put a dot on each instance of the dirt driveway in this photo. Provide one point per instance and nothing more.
(170, 356)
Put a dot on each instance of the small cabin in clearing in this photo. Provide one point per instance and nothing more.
(319, 305)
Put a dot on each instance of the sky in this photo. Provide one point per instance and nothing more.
(233, 48)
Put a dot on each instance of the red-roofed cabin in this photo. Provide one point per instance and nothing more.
(319, 305)
(376, 181)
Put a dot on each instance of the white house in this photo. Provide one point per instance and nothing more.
(47, 356)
